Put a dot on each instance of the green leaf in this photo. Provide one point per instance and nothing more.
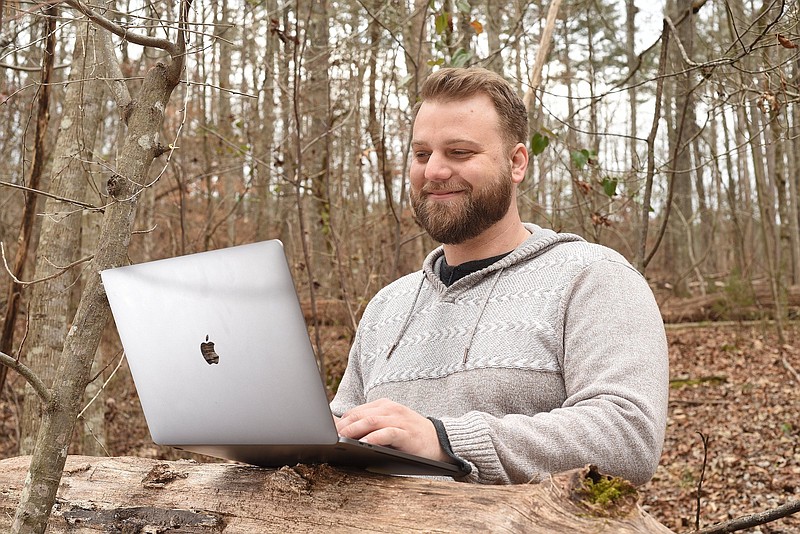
(549, 132)
(460, 58)
(610, 186)
(440, 23)
(583, 157)
(579, 158)
(538, 143)
(436, 62)
(463, 6)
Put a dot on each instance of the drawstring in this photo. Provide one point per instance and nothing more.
(480, 314)
(408, 318)
(474, 326)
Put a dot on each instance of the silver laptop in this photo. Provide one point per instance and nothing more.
(223, 365)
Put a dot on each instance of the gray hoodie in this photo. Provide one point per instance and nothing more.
(549, 359)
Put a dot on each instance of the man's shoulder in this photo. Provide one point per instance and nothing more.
(591, 251)
(571, 256)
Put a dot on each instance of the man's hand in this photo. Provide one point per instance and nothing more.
(384, 422)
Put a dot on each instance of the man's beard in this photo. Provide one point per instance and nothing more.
(455, 221)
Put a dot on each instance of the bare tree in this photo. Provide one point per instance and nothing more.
(59, 236)
(63, 401)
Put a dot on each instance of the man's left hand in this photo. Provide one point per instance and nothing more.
(387, 423)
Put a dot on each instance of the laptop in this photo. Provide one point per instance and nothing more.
(223, 365)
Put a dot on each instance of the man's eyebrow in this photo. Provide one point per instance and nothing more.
(454, 141)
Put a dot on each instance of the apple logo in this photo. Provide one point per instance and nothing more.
(207, 349)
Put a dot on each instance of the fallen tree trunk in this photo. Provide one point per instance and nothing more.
(128, 494)
(723, 305)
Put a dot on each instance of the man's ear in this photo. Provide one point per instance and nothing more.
(519, 162)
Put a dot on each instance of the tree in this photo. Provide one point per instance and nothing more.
(59, 236)
(64, 400)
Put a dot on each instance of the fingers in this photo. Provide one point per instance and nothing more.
(367, 418)
(387, 423)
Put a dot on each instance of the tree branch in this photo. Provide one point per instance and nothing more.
(27, 373)
(747, 521)
(541, 54)
(122, 96)
(116, 29)
(56, 197)
(59, 272)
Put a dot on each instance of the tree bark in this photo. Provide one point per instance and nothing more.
(130, 494)
(74, 370)
(683, 116)
(34, 179)
(59, 237)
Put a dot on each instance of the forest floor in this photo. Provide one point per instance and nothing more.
(733, 383)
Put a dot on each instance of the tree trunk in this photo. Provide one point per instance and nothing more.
(230, 174)
(683, 116)
(34, 179)
(74, 370)
(59, 237)
(142, 495)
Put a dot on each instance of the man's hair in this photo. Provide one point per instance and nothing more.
(449, 84)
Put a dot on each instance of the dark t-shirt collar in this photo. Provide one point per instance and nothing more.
(450, 274)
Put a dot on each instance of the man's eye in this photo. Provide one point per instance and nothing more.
(422, 155)
(461, 153)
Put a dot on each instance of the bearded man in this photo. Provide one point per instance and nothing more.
(516, 351)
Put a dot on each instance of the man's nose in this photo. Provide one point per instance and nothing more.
(437, 167)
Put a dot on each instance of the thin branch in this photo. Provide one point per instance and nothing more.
(103, 387)
(748, 521)
(704, 438)
(684, 55)
(61, 270)
(21, 68)
(50, 195)
(789, 368)
(27, 373)
(651, 141)
(541, 53)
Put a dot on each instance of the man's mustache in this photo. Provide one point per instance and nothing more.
(445, 187)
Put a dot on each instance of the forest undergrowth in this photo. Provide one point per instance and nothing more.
(730, 383)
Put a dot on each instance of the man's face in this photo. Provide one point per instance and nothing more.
(461, 171)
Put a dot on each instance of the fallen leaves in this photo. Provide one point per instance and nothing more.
(752, 419)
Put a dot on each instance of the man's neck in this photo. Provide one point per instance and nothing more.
(498, 239)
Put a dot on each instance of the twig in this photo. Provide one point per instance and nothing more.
(61, 270)
(103, 387)
(28, 374)
(56, 197)
(789, 368)
(747, 521)
(699, 402)
(702, 476)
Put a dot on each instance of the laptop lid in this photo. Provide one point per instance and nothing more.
(223, 365)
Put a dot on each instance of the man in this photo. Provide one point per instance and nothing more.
(517, 351)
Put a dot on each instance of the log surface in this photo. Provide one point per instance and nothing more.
(129, 494)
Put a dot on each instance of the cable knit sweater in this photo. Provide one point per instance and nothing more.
(551, 358)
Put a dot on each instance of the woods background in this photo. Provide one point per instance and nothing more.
(667, 131)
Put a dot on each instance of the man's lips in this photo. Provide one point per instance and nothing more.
(443, 194)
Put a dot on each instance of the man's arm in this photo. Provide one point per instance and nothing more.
(616, 374)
